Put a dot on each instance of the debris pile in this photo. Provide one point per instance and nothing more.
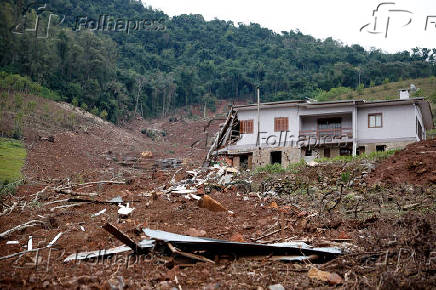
(209, 250)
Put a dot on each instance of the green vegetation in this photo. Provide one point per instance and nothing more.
(12, 157)
(270, 168)
(278, 168)
(25, 85)
(373, 156)
(192, 61)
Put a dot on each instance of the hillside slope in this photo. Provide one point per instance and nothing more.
(426, 87)
(64, 141)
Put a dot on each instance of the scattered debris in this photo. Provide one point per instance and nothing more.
(276, 287)
(54, 240)
(168, 163)
(30, 243)
(20, 227)
(65, 206)
(125, 211)
(12, 243)
(98, 213)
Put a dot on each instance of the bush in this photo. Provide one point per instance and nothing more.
(332, 94)
(373, 156)
(84, 106)
(360, 89)
(296, 167)
(271, 168)
(75, 102)
(94, 111)
(278, 168)
(103, 114)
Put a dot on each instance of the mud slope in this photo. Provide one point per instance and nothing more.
(416, 164)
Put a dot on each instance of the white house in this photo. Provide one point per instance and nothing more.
(288, 131)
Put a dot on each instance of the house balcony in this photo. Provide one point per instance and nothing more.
(327, 129)
(333, 133)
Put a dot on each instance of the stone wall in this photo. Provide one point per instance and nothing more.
(389, 145)
(262, 157)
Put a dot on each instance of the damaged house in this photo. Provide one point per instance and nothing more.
(288, 131)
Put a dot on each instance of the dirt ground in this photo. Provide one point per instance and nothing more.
(416, 164)
(385, 225)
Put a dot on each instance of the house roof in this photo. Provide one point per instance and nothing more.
(421, 102)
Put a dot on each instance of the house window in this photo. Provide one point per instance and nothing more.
(276, 157)
(246, 127)
(281, 124)
(380, 148)
(375, 120)
(243, 162)
(345, 152)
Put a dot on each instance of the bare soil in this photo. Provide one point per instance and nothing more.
(416, 164)
(384, 223)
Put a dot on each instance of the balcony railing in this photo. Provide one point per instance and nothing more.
(333, 133)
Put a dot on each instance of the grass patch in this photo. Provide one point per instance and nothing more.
(373, 156)
(12, 156)
(271, 168)
(278, 168)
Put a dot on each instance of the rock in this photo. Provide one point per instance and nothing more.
(147, 154)
(195, 233)
(237, 237)
(263, 221)
(331, 278)
(209, 203)
(276, 287)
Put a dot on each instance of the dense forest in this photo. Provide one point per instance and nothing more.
(117, 57)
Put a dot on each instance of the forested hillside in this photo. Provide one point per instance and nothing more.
(173, 62)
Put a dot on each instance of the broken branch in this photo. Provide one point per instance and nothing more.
(20, 227)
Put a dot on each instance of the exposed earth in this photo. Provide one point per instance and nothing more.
(381, 214)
